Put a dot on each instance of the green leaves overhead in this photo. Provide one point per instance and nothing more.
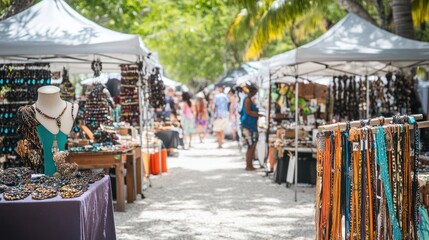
(188, 35)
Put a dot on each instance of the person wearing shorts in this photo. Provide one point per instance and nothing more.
(221, 113)
(249, 125)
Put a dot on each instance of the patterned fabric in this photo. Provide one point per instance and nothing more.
(249, 137)
(27, 123)
(221, 106)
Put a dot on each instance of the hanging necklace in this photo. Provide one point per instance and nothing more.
(54, 148)
(57, 119)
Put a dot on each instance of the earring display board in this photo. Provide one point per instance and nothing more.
(129, 95)
(97, 110)
(19, 84)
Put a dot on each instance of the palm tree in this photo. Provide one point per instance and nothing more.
(269, 20)
(401, 10)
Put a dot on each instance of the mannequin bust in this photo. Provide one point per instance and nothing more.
(56, 118)
(51, 104)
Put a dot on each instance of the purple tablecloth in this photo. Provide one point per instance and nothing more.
(88, 217)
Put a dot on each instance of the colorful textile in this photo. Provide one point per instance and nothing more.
(249, 137)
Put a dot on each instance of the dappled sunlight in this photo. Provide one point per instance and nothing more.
(214, 198)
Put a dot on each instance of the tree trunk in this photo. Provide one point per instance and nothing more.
(382, 13)
(15, 7)
(402, 19)
(354, 7)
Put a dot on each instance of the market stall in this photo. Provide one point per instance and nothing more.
(352, 47)
(45, 38)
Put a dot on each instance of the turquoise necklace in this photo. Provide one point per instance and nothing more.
(382, 162)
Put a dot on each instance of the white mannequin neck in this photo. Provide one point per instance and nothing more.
(50, 103)
(49, 100)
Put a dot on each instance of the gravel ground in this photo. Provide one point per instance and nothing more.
(206, 194)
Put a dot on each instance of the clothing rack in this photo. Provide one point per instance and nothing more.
(371, 122)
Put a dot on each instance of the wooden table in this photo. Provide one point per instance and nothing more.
(139, 169)
(108, 159)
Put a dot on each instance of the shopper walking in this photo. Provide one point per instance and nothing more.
(232, 98)
(249, 123)
(221, 114)
(201, 117)
(188, 119)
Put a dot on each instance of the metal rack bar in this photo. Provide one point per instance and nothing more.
(371, 122)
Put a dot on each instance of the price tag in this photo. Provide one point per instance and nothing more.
(355, 146)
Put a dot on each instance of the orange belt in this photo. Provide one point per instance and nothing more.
(326, 192)
(336, 193)
(355, 213)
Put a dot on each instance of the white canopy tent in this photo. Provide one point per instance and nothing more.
(354, 47)
(51, 31)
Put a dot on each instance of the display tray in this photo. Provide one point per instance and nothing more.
(89, 216)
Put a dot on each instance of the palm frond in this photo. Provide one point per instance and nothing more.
(420, 11)
(251, 5)
(309, 23)
(279, 17)
(239, 24)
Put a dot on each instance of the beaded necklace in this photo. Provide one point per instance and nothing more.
(347, 183)
(57, 119)
(415, 201)
(382, 162)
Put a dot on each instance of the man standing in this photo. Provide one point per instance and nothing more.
(220, 104)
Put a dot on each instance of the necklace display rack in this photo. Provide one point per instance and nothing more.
(347, 96)
(367, 170)
(129, 94)
(19, 83)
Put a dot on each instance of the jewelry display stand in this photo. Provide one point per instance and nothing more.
(56, 118)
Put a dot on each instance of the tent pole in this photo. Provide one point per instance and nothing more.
(267, 134)
(296, 136)
(367, 96)
(139, 91)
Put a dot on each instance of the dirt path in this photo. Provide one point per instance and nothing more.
(208, 195)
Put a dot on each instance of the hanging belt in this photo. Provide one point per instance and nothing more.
(354, 213)
(326, 191)
(320, 154)
(336, 193)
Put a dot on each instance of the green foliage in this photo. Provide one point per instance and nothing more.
(188, 35)
(279, 25)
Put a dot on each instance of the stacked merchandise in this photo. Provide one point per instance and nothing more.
(311, 105)
(394, 95)
(370, 175)
(129, 94)
(67, 88)
(97, 109)
(19, 84)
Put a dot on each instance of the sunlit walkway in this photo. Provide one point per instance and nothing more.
(208, 195)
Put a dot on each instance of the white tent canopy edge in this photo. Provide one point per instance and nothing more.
(51, 31)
